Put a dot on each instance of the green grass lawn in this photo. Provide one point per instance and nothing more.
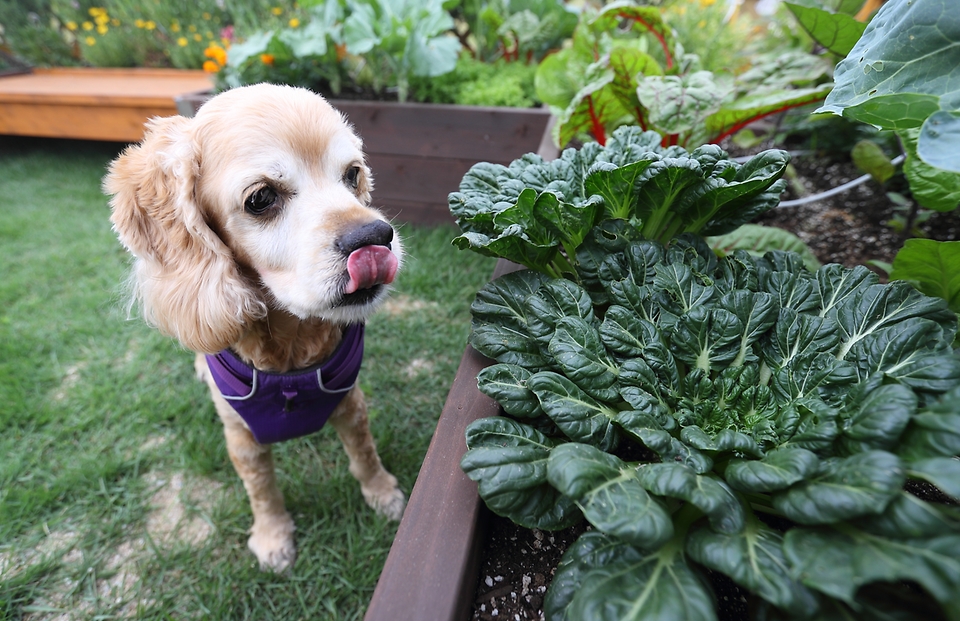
(117, 499)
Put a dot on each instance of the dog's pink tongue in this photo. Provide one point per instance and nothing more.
(369, 266)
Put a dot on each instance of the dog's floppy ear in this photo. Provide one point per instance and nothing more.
(185, 277)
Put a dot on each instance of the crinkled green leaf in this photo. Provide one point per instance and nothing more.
(726, 440)
(835, 31)
(609, 494)
(705, 338)
(933, 267)
(754, 559)
(838, 563)
(658, 586)
(509, 461)
(507, 385)
(733, 116)
(707, 493)
(778, 469)
(500, 329)
(684, 289)
(847, 487)
(681, 104)
(577, 350)
(581, 417)
(552, 302)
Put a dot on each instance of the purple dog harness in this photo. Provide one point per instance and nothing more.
(281, 406)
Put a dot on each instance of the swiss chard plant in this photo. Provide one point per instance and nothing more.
(742, 415)
(626, 67)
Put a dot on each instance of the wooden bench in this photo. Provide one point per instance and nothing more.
(92, 104)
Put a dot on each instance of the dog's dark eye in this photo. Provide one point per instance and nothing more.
(260, 201)
(352, 177)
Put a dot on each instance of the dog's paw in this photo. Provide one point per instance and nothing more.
(384, 496)
(272, 543)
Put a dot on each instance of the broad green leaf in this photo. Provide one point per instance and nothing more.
(909, 517)
(503, 300)
(778, 469)
(758, 239)
(932, 267)
(509, 461)
(870, 158)
(680, 104)
(731, 117)
(727, 440)
(609, 495)
(626, 334)
(754, 559)
(672, 450)
(837, 564)
(658, 587)
(578, 352)
(432, 56)
(615, 185)
(706, 338)
(591, 549)
(507, 385)
(938, 138)
(835, 31)
(904, 70)
(684, 289)
(944, 472)
(881, 418)
(577, 414)
(849, 487)
(705, 492)
(254, 45)
(932, 187)
(556, 299)
(934, 431)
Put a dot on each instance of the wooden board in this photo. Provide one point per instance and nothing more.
(92, 104)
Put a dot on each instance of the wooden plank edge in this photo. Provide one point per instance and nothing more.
(432, 568)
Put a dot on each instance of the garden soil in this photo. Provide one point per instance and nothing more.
(854, 228)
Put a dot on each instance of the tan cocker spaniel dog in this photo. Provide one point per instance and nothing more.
(255, 246)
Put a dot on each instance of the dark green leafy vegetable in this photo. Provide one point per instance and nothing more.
(763, 389)
(540, 214)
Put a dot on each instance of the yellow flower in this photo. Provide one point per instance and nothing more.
(150, 25)
(277, 10)
(139, 23)
(102, 29)
(192, 28)
(102, 19)
(207, 16)
(90, 41)
(210, 67)
(182, 42)
(267, 59)
(294, 22)
(95, 10)
(88, 25)
(702, 24)
(174, 27)
(208, 34)
(71, 25)
(707, 2)
(197, 37)
(115, 21)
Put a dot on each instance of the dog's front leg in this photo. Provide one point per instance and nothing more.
(271, 537)
(379, 487)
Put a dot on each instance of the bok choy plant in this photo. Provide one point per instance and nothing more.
(741, 415)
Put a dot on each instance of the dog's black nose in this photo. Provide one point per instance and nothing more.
(376, 233)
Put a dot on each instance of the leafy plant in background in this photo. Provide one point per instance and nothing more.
(478, 83)
(901, 75)
(539, 213)
(741, 415)
(518, 30)
(625, 67)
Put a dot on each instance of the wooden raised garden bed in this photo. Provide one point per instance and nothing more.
(92, 104)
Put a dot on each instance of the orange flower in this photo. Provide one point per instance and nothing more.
(210, 67)
(267, 59)
(217, 53)
(341, 51)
